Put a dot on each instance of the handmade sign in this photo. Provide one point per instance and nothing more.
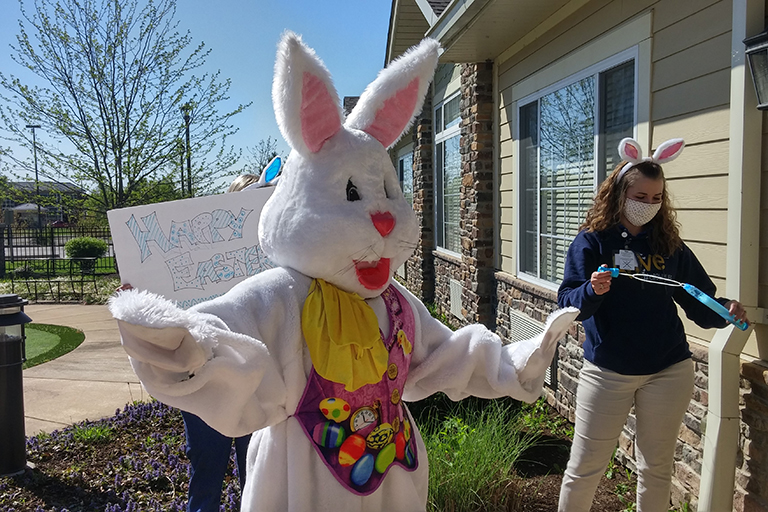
(190, 250)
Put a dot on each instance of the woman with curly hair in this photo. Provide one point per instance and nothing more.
(635, 353)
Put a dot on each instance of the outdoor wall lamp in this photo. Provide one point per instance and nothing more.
(757, 54)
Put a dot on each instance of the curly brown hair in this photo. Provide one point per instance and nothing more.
(606, 210)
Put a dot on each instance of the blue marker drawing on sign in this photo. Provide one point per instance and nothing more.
(204, 229)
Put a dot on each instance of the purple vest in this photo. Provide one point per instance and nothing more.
(361, 434)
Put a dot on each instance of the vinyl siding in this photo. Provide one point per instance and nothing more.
(689, 93)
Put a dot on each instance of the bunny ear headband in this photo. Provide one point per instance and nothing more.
(630, 150)
(269, 175)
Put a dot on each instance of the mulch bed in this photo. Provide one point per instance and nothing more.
(541, 472)
(135, 461)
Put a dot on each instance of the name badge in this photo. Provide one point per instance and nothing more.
(625, 260)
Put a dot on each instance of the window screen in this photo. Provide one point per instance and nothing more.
(448, 174)
(561, 132)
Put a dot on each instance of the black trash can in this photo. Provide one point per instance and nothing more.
(12, 356)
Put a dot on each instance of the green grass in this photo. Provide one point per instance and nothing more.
(538, 417)
(432, 308)
(47, 342)
(471, 455)
(92, 434)
(39, 342)
(25, 269)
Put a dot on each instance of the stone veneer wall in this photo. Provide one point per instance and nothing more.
(447, 267)
(476, 220)
(474, 268)
(420, 269)
(751, 493)
(537, 303)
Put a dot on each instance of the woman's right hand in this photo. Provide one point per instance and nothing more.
(601, 281)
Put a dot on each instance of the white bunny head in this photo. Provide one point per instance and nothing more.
(630, 150)
(338, 213)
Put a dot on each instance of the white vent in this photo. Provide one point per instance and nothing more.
(523, 327)
(455, 299)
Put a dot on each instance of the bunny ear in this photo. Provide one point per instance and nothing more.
(630, 150)
(668, 150)
(272, 169)
(306, 104)
(389, 104)
(269, 175)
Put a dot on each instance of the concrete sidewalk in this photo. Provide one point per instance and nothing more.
(91, 382)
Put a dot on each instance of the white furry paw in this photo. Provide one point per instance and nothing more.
(531, 376)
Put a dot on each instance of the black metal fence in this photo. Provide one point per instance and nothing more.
(32, 252)
(36, 263)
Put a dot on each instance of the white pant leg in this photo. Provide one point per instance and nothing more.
(603, 401)
(660, 405)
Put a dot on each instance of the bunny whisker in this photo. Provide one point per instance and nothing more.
(345, 269)
(364, 254)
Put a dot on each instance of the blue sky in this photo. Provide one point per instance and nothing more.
(349, 35)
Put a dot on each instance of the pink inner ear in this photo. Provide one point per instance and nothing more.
(671, 150)
(631, 151)
(392, 118)
(319, 115)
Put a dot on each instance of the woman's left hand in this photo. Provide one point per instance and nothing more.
(737, 310)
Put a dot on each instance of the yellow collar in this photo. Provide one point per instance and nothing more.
(342, 334)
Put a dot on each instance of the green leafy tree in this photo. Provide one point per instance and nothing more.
(117, 74)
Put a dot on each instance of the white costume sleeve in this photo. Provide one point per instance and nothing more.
(199, 361)
(473, 360)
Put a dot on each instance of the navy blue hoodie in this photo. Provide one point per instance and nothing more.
(634, 329)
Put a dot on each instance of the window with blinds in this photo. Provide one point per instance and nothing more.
(405, 172)
(568, 141)
(447, 174)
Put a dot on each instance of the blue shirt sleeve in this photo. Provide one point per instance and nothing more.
(692, 272)
(582, 259)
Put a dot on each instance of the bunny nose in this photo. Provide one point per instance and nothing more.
(383, 222)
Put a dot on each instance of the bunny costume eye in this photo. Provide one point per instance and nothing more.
(358, 240)
(352, 193)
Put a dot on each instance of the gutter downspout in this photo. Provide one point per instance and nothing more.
(723, 418)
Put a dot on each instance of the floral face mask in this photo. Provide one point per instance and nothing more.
(639, 213)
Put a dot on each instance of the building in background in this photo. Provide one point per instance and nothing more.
(20, 202)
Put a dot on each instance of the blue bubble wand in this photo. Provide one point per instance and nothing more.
(692, 290)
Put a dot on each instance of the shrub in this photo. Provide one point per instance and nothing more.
(85, 247)
(23, 272)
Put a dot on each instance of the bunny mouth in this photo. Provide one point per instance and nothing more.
(374, 274)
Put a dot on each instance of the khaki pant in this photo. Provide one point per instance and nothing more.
(603, 401)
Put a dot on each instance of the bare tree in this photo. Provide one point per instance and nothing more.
(260, 155)
(117, 75)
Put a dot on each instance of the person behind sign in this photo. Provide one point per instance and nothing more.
(242, 181)
(635, 351)
(207, 449)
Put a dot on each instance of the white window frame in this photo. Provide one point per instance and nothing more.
(442, 136)
(401, 155)
(633, 54)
